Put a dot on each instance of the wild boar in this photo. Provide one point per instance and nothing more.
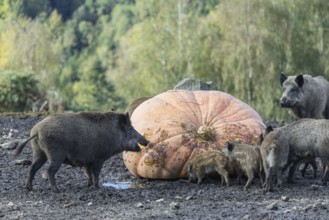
(306, 96)
(208, 163)
(85, 139)
(300, 140)
(248, 160)
(274, 151)
(272, 125)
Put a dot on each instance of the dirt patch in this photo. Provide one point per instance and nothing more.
(123, 196)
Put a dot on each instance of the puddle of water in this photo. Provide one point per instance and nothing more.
(114, 182)
(119, 185)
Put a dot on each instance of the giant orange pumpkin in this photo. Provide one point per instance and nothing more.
(181, 124)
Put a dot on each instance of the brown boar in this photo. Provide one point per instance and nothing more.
(208, 163)
(248, 160)
(306, 96)
(85, 139)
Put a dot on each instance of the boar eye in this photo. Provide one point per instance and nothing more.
(294, 90)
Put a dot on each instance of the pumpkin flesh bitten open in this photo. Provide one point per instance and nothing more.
(181, 124)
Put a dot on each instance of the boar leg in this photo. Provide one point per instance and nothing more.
(200, 176)
(292, 172)
(279, 177)
(266, 173)
(268, 180)
(250, 179)
(39, 159)
(304, 169)
(224, 175)
(324, 169)
(54, 166)
(314, 166)
(96, 169)
(325, 174)
(89, 174)
(239, 176)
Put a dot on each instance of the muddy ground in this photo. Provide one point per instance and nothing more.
(123, 196)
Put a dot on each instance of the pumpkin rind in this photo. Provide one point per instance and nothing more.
(181, 124)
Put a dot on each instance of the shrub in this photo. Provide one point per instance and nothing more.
(18, 90)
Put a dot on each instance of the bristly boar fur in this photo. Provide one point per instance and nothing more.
(301, 140)
(248, 160)
(306, 96)
(85, 139)
(208, 163)
(275, 152)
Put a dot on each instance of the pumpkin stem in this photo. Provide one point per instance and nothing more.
(205, 133)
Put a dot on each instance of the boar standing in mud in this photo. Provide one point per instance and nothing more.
(272, 125)
(306, 96)
(208, 163)
(304, 139)
(275, 152)
(80, 139)
(248, 160)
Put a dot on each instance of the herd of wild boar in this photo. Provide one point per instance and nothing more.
(89, 139)
(282, 147)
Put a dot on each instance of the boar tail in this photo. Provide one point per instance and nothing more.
(20, 147)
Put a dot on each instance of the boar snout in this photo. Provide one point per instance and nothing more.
(140, 145)
(143, 142)
(285, 102)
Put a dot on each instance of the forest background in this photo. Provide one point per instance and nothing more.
(100, 54)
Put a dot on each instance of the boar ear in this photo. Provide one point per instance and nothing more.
(268, 129)
(299, 80)
(127, 116)
(282, 78)
(124, 119)
(230, 146)
(261, 138)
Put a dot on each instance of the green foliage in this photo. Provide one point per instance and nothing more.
(17, 90)
(99, 54)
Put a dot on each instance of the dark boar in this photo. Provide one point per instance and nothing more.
(80, 139)
(248, 160)
(304, 139)
(208, 163)
(306, 96)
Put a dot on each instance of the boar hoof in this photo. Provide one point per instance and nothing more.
(28, 187)
(55, 190)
